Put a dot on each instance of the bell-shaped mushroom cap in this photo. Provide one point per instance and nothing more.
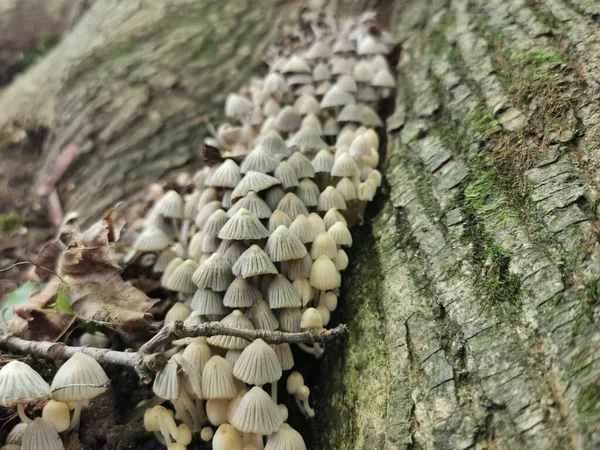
(197, 353)
(345, 166)
(312, 122)
(283, 245)
(240, 294)
(152, 239)
(383, 78)
(274, 82)
(308, 192)
(340, 66)
(232, 250)
(181, 279)
(324, 244)
(210, 244)
(237, 106)
(207, 302)
(299, 79)
(286, 174)
(311, 320)
(303, 229)
(232, 356)
(375, 176)
(258, 364)
(262, 317)
(253, 261)
(234, 320)
(363, 71)
(179, 311)
(319, 50)
(346, 83)
(295, 64)
(370, 45)
(288, 119)
(169, 205)
(173, 265)
(281, 294)
(257, 413)
(216, 411)
(317, 222)
(227, 438)
(304, 290)
(19, 383)
(289, 319)
(215, 222)
(253, 181)
(347, 188)
(273, 196)
(166, 384)
(243, 226)
(307, 104)
(341, 260)
(323, 161)
(344, 138)
(360, 146)
(292, 206)
(321, 72)
(332, 216)
(343, 45)
(194, 318)
(277, 219)
(350, 113)
(15, 437)
(253, 203)
(214, 273)
(80, 378)
(369, 117)
(259, 160)
(341, 234)
(205, 212)
(299, 267)
(366, 191)
(271, 108)
(335, 96)
(367, 94)
(331, 198)
(273, 143)
(285, 356)
(323, 274)
(217, 379)
(165, 257)
(286, 438)
(302, 165)
(227, 175)
(306, 89)
(41, 435)
(308, 139)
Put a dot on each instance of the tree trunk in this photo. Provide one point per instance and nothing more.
(473, 294)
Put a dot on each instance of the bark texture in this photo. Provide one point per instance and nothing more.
(472, 300)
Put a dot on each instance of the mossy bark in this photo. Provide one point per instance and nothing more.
(472, 295)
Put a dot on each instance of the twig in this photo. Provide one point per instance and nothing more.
(148, 359)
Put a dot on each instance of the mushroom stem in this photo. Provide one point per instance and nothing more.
(183, 235)
(22, 415)
(316, 349)
(304, 407)
(192, 411)
(274, 391)
(76, 416)
(160, 438)
(164, 430)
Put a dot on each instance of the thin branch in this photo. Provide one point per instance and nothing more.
(148, 359)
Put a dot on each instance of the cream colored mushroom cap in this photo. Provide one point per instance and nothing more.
(19, 383)
(80, 378)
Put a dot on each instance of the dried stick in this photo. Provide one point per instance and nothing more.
(148, 359)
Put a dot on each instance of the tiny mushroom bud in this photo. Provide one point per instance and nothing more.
(206, 434)
(57, 414)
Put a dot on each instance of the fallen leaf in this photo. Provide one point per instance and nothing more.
(39, 300)
(16, 298)
(42, 325)
(46, 259)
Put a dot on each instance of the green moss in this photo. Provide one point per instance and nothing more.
(207, 50)
(588, 403)
(10, 222)
(579, 366)
(39, 49)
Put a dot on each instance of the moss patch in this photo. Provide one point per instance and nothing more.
(588, 403)
(10, 222)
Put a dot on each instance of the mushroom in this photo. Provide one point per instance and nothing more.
(57, 414)
(41, 435)
(286, 438)
(227, 438)
(21, 385)
(79, 380)
(15, 437)
(294, 386)
(257, 413)
(258, 364)
(160, 421)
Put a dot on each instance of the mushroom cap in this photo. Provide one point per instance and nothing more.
(313, 122)
(332, 216)
(281, 294)
(227, 175)
(273, 196)
(214, 273)
(254, 261)
(205, 211)
(181, 278)
(237, 105)
(286, 174)
(341, 234)
(216, 411)
(324, 244)
(236, 319)
(370, 45)
(317, 222)
(166, 384)
(302, 228)
(169, 205)
(369, 117)
(311, 320)
(19, 383)
(208, 302)
(210, 244)
(274, 82)
(292, 206)
(232, 250)
(321, 72)
(41, 435)
(323, 274)
(240, 294)
(243, 226)
(152, 239)
(302, 165)
(383, 78)
(284, 245)
(299, 267)
(272, 142)
(307, 104)
(347, 189)
(197, 353)
(80, 378)
(232, 356)
(345, 166)
(261, 316)
(253, 181)
(217, 379)
(288, 119)
(308, 139)
(308, 192)
(304, 289)
(227, 438)
(319, 50)
(257, 413)
(289, 319)
(253, 203)
(259, 160)
(15, 437)
(171, 267)
(336, 96)
(286, 438)
(285, 356)
(323, 161)
(179, 311)
(346, 83)
(258, 364)
(277, 219)
(331, 198)
(341, 260)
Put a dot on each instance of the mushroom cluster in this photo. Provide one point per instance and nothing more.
(259, 242)
(78, 380)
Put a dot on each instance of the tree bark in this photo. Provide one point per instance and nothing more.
(473, 291)
(472, 297)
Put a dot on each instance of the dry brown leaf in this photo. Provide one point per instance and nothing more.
(93, 282)
(46, 259)
(42, 325)
(39, 300)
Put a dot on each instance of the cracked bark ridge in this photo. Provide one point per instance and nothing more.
(473, 304)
